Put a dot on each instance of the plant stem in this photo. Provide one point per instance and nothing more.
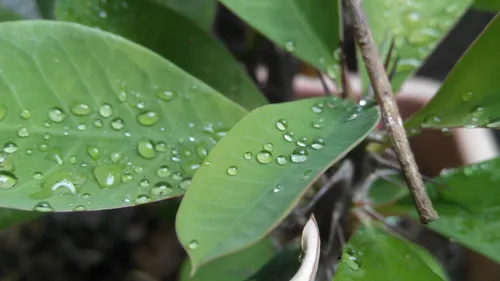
(390, 112)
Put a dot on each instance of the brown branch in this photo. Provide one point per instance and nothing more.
(390, 112)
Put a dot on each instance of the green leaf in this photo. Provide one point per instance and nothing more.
(8, 15)
(238, 266)
(9, 217)
(91, 121)
(469, 96)
(373, 254)
(201, 12)
(384, 192)
(258, 172)
(468, 202)
(416, 26)
(46, 8)
(282, 266)
(308, 29)
(488, 5)
(172, 36)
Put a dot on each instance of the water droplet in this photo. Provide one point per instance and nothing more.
(94, 152)
(106, 110)
(302, 142)
(25, 114)
(43, 207)
(423, 36)
(248, 155)
(7, 180)
(142, 199)
(146, 149)
(282, 124)
(177, 176)
(127, 178)
(278, 188)
(98, 123)
(232, 171)
(55, 156)
(166, 96)
(81, 109)
(148, 118)
(108, 175)
(190, 167)
(317, 108)
(289, 136)
(264, 157)
(185, 183)
(318, 124)
(117, 124)
(352, 262)
(138, 169)
(38, 176)
(10, 148)
(6, 163)
(411, 18)
(268, 146)
(79, 208)
(161, 188)
(219, 134)
(163, 171)
(202, 151)
(82, 127)
(290, 46)
(3, 111)
(122, 96)
(467, 96)
(281, 160)
(86, 195)
(115, 157)
(318, 143)
(299, 155)
(144, 183)
(57, 115)
(43, 147)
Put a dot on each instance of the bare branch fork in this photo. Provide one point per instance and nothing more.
(390, 112)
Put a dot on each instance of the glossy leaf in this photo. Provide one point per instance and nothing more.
(308, 29)
(202, 12)
(258, 172)
(469, 208)
(90, 120)
(469, 96)
(488, 5)
(172, 36)
(236, 267)
(10, 217)
(416, 26)
(373, 254)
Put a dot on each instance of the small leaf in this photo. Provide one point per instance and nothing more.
(416, 26)
(469, 96)
(89, 120)
(469, 209)
(202, 12)
(308, 29)
(261, 168)
(10, 217)
(487, 5)
(238, 266)
(375, 255)
(172, 36)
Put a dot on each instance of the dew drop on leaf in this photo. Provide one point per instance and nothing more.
(160, 189)
(6, 163)
(38, 176)
(79, 208)
(98, 123)
(278, 188)
(142, 199)
(106, 110)
(117, 124)
(232, 171)
(81, 109)
(467, 96)
(289, 136)
(166, 96)
(127, 178)
(185, 183)
(43, 207)
(282, 124)
(264, 157)
(281, 160)
(25, 114)
(290, 46)
(10, 148)
(247, 155)
(318, 143)
(82, 127)
(163, 172)
(317, 108)
(115, 157)
(302, 142)
(193, 245)
(146, 149)
(202, 151)
(108, 175)
(7, 180)
(148, 118)
(94, 152)
(299, 155)
(177, 176)
(144, 183)
(57, 115)
(55, 156)
(268, 146)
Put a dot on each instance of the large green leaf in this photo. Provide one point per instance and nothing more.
(236, 267)
(172, 36)
(469, 96)
(201, 12)
(89, 120)
(9, 217)
(488, 5)
(258, 172)
(309, 29)
(416, 26)
(469, 209)
(375, 255)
